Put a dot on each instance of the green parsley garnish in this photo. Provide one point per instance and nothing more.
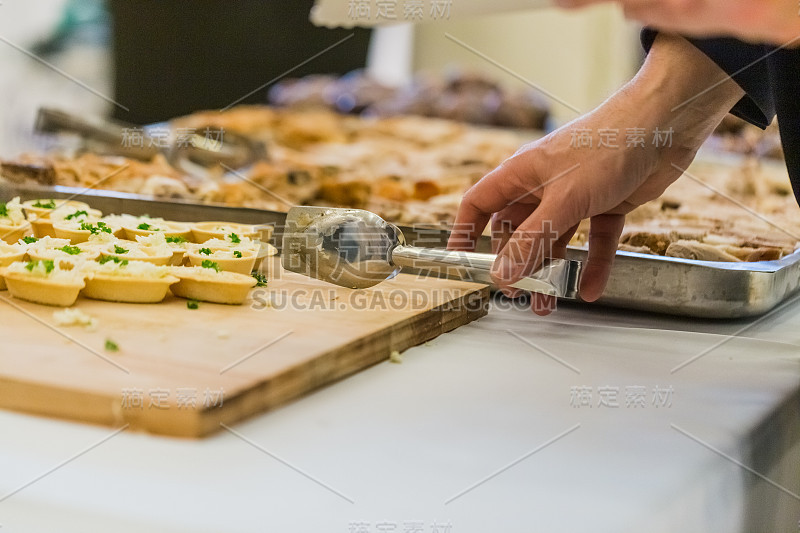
(111, 346)
(3, 210)
(235, 239)
(204, 251)
(76, 214)
(106, 258)
(29, 239)
(95, 229)
(261, 278)
(144, 225)
(176, 240)
(237, 254)
(71, 250)
(49, 204)
(207, 263)
(120, 250)
(48, 265)
(192, 304)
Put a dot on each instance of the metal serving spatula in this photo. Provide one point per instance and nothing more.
(358, 249)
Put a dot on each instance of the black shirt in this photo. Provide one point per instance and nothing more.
(770, 76)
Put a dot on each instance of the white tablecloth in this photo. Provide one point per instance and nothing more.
(481, 430)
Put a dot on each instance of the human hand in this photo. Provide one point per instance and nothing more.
(761, 21)
(537, 197)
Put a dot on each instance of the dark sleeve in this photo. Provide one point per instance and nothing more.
(747, 65)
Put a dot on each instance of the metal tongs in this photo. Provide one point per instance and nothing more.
(192, 152)
(358, 249)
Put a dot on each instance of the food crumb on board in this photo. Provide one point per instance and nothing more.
(395, 357)
(223, 334)
(74, 317)
(111, 346)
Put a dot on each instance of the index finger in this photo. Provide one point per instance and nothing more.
(495, 191)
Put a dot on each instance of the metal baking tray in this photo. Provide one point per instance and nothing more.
(643, 282)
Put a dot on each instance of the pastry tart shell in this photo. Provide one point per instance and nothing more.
(228, 291)
(11, 234)
(243, 265)
(204, 231)
(6, 260)
(127, 289)
(42, 291)
(175, 230)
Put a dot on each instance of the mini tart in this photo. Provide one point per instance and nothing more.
(223, 257)
(158, 240)
(43, 243)
(208, 285)
(45, 212)
(42, 218)
(9, 253)
(67, 230)
(11, 233)
(55, 254)
(168, 229)
(137, 252)
(204, 231)
(136, 282)
(59, 290)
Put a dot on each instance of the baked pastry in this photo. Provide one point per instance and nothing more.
(149, 226)
(41, 213)
(204, 231)
(414, 171)
(159, 241)
(698, 251)
(120, 280)
(10, 253)
(43, 282)
(61, 251)
(77, 231)
(133, 251)
(212, 285)
(13, 225)
(240, 259)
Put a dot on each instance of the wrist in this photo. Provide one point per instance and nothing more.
(692, 94)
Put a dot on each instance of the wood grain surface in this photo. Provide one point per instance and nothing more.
(184, 372)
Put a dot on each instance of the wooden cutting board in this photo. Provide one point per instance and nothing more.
(185, 372)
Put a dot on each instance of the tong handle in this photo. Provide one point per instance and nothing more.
(556, 277)
(105, 133)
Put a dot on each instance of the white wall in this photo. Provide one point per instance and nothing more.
(579, 57)
(27, 83)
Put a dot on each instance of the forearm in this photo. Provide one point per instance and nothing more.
(692, 92)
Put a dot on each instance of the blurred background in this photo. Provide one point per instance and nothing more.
(144, 61)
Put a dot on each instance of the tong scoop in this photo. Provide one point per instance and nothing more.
(358, 249)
